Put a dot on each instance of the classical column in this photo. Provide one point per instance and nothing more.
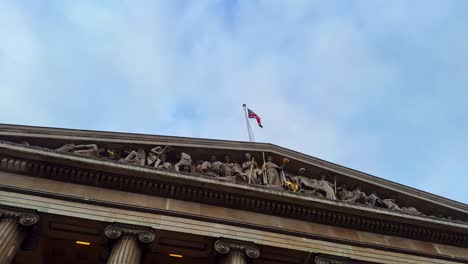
(235, 251)
(13, 230)
(325, 259)
(128, 243)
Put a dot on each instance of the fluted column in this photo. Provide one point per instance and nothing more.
(235, 251)
(13, 230)
(129, 240)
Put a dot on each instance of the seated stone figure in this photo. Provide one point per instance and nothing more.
(251, 169)
(210, 168)
(164, 164)
(135, 157)
(308, 185)
(185, 161)
(232, 171)
(327, 187)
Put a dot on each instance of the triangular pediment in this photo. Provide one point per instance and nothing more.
(321, 184)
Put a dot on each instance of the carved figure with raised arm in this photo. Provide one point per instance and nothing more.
(155, 155)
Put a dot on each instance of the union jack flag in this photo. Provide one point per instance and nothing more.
(252, 114)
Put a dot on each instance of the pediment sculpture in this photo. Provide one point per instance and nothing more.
(264, 172)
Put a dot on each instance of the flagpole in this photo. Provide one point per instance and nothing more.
(249, 129)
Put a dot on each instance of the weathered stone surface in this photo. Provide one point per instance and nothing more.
(276, 177)
(12, 231)
(125, 250)
(127, 247)
(235, 251)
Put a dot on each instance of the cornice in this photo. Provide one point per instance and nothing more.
(113, 175)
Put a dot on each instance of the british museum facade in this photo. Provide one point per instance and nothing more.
(75, 196)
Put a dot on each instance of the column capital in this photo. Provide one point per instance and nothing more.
(323, 259)
(224, 246)
(23, 216)
(144, 234)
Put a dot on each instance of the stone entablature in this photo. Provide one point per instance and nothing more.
(247, 171)
(53, 138)
(121, 176)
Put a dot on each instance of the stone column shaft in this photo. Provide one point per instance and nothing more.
(13, 230)
(234, 257)
(126, 250)
(11, 236)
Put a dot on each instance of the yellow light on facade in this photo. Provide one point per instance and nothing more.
(83, 243)
(175, 255)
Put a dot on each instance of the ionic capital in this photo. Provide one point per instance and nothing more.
(22, 216)
(322, 259)
(224, 246)
(145, 235)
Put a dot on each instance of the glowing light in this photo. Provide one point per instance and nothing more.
(83, 243)
(175, 255)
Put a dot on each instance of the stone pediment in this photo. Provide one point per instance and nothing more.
(291, 184)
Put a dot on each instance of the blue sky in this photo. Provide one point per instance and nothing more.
(376, 85)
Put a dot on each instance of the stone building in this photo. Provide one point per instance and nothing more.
(74, 196)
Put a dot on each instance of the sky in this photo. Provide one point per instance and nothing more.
(375, 85)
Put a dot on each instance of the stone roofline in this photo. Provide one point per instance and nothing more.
(145, 139)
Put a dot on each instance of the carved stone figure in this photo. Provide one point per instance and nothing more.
(165, 164)
(372, 199)
(272, 172)
(354, 196)
(88, 150)
(210, 168)
(110, 154)
(251, 169)
(185, 160)
(308, 185)
(327, 187)
(156, 154)
(390, 204)
(411, 210)
(233, 171)
(216, 166)
(135, 157)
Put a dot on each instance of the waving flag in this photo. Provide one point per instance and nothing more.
(252, 114)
